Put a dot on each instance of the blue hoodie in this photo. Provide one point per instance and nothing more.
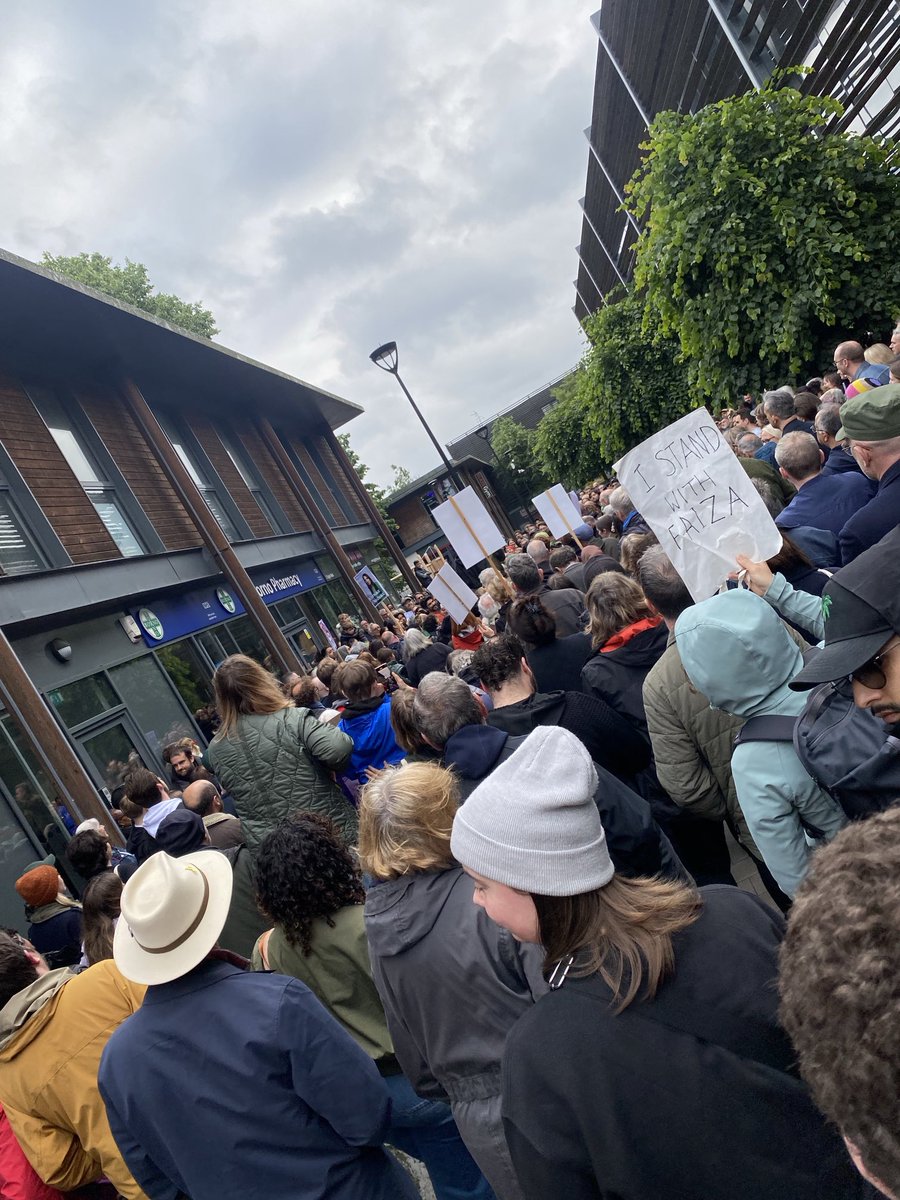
(369, 725)
(736, 651)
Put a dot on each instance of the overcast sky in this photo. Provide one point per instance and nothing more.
(325, 176)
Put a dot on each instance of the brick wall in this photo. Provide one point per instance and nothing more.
(206, 435)
(261, 457)
(48, 475)
(413, 520)
(123, 439)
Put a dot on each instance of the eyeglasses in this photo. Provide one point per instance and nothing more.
(872, 674)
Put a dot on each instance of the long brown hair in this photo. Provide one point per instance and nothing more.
(243, 687)
(614, 601)
(623, 932)
(100, 905)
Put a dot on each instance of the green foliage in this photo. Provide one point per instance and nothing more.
(378, 494)
(131, 284)
(513, 443)
(402, 478)
(566, 446)
(767, 239)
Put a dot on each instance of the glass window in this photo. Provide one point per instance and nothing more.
(113, 753)
(188, 672)
(248, 640)
(101, 493)
(86, 698)
(288, 610)
(214, 647)
(249, 476)
(213, 503)
(18, 553)
(152, 703)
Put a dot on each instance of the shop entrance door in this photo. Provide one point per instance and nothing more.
(115, 748)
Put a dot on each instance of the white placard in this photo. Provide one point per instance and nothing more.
(699, 501)
(453, 595)
(469, 527)
(557, 511)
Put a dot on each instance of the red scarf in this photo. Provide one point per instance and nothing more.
(624, 636)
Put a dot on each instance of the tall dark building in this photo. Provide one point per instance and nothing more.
(658, 55)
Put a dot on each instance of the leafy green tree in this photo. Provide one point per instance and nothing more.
(767, 237)
(513, 443)
(565, 444)
(131, 284)
(402, 478)
(378, 494)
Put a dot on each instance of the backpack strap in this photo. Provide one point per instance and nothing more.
(766, 729)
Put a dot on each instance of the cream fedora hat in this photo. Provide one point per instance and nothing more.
(173, 910)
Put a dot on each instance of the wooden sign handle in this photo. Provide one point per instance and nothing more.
(559, 511)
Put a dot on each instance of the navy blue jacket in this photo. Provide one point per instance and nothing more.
(229, 1085)
(825, 502)
(877, 518)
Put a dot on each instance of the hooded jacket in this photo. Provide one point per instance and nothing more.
(636, 844)
(738, 654)
(617, 674)
(52, 1035)
(275, 763)
(453, 984)
(18, 1178)
(368, 723)
(610, 740)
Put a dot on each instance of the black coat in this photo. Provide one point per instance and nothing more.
(637, 846)
(432, 658)
(693, 1095)
(617, 676)
(557, 667)
(609, 739)
(874, 519)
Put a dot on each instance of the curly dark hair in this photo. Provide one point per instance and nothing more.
(303, 872)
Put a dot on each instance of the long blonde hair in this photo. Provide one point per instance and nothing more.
(405, 818)
(242, 687)
(624, 931)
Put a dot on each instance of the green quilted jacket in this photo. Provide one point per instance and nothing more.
(277, 763)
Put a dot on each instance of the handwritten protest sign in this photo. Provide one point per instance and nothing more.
(699, 501)
(557, 511)
(469, 527)
(454, 596)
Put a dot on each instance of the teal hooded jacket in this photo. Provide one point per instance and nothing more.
(736, 651)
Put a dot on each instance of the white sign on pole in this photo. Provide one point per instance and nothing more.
(469, 527)
(453, 595)
(699, 501)
(557, 510)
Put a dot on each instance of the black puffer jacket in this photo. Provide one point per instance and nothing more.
(617, 676)
(432, 658)
(637, 846)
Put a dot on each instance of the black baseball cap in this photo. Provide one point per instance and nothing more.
(181, 832)
(861, 604)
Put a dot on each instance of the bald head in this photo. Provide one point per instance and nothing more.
(852, 352)
(590, 552)
(202, 798)
(538, 550)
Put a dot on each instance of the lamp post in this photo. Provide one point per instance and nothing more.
(386, 357)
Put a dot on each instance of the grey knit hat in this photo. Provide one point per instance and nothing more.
(533, 824)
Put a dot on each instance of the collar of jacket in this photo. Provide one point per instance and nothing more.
(21, 1007)
(62, 904)
(620, 639)
(356, 708)
(208, 973)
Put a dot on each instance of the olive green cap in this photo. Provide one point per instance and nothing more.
(872, 416)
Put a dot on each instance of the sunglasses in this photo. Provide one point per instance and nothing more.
(872, 674)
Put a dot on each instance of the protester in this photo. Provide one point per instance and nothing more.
(367, 721)
(100, 913)
(309, 885)
(564, 561)
(822, 501)
(840, 991)
(628, 638)
(872, 424)
(224, 829)
(555, 661)
(539, 552)
(595, 562)
(151, 797)
(738, 654)
(451, 720)
(300, 1110)
(53, 1028)
(184, 767)
(274, 758)
(420, 655)
(567, 606)
(850, 360)
(838, 459)
(517, 708)
(452, 983)
(654, 1066)
(54, 920)
(780, 412)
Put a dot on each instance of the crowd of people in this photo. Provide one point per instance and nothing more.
(466, 894)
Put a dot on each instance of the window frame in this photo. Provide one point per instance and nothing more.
(254, 482)
(203, 474)
(41, 532)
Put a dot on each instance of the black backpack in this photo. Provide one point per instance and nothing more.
(846, 750)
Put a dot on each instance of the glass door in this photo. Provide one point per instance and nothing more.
(115, 749)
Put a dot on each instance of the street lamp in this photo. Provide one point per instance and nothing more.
(386, 357)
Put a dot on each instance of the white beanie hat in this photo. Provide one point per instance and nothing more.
(533, 824)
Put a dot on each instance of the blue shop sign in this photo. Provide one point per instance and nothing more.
(172, 617)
